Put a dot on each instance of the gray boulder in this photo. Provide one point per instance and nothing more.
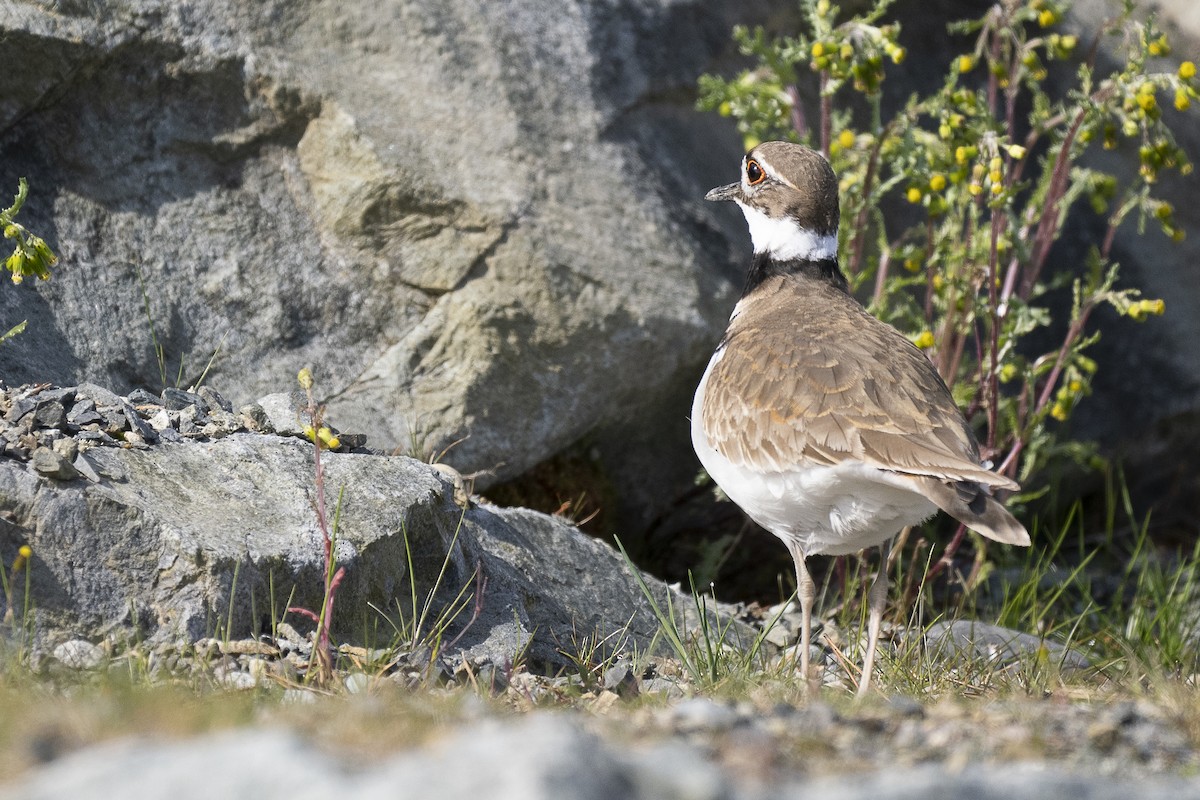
(478, 221)
(180, 541)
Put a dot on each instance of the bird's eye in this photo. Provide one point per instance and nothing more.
(754, 173)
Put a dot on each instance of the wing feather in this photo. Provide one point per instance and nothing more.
(808, 376)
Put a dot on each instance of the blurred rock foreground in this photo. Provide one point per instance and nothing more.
(479, 222)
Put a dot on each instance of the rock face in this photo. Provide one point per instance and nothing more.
(214, 534)
(480, 222)
(477, 221)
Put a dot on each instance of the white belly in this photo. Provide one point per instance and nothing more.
(826, 509)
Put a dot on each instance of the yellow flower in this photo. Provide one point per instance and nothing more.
(1016, 151)
(1008, 372)
(1046, 18)
(1182, 103)
(937, 182)
(846, 51)
(898, 55)
(1058, 411)
(912, 264)
(24, 553)
(725, 109)
(966, 63)
(305, 378)
(818, 49)
(997, 188)
(975, 189)
(1146, 101)
(822, 7)
(1187, 70)
(1075, 386)
(913, 195)
(1069, 41)
(995, 176)
(846, 138)
(924, 340)
(1143, 308)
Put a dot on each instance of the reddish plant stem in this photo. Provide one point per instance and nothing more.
(929, 245)
(799, 124)
(860, 221)
(995, 318)
(826, 115)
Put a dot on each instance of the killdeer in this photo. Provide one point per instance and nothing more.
(826, 425)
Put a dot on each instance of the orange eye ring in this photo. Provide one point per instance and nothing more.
(754, 173)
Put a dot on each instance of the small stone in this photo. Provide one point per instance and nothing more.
(50, 414)
(256, 418)
(52, 465)
(19, 408)
(140, 397)
(353, 441)
(178, 399)
(66, 447)
(230, 423)
(213, 431)
(137, 424)
(620, 679)
(160, 420)
(214, 399)
(95, 437)
(98, 394)
(282, 410)
(79, 654)
(115, 422)
(83, 412)
(169, 435)
(187, 421)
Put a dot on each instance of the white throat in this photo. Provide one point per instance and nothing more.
(787, 241)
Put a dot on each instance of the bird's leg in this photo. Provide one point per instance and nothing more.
(876, 600)
(806, 593)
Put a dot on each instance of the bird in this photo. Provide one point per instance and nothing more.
(826, 425)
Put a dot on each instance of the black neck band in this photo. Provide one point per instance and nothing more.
(766, 266)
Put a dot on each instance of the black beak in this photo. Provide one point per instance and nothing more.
(732, 191)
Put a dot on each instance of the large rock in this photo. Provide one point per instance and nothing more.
(175, 541)
(479, 221)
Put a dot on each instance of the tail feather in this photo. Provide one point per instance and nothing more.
(973, 506)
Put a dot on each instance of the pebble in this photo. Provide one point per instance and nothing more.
(47, 462)
(79, 654)
(53, 427)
